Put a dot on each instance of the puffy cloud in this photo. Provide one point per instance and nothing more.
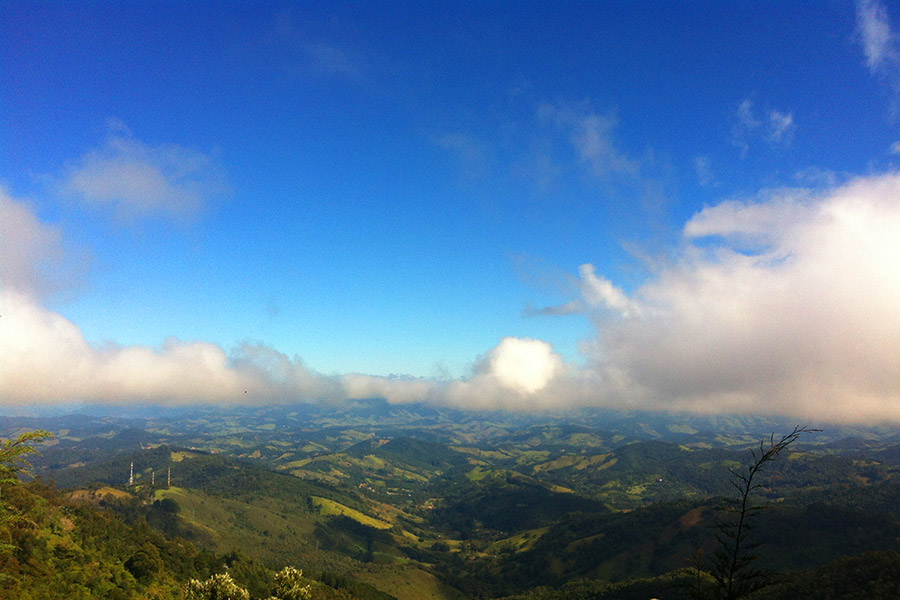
(48, 360)
(279, 378)
(524, 365)
(135, 180)
(31, 253)
(784, 304)
(600, 291)
(517, 374)
(751, 222)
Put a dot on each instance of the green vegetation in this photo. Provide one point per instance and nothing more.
(734, 565)
(289, 584)
(329, 507)
(382, 503)
(217, 587)
(14, 462)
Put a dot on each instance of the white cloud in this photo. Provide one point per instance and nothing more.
(781, 128)
(47, 360)
(33, 260)
(29, 249)
(517, 374)
(396, 390)
(134, 180)
(600, 291)
(524, 365)
(778, 131)
(750, 222)
(703, 168)
(591, 137)
(878, 41)
(880, 45)
(785, 304)
(895, 148)
(745, 115)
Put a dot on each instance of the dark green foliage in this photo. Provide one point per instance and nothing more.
(14, 452)
(358, 589)
(808, 537)
(670, 587)
(163, 515)
(249, 574)
(145, 563)
(66, 550)
(507, 503)
(421, 453)
(879, 498)
(734, 565)
(868, 576)
(351, 537)
(611, 546)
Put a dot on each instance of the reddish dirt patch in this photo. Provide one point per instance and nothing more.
(692, 517)
(95, 496)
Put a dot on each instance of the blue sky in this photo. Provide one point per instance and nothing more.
(463, 194)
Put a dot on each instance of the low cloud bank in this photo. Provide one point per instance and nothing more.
(786, 303)
(47, 360)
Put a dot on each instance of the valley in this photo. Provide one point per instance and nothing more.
(412, 502)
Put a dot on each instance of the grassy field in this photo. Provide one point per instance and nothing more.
(407, 583)
(266, 528)
(330, 507)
